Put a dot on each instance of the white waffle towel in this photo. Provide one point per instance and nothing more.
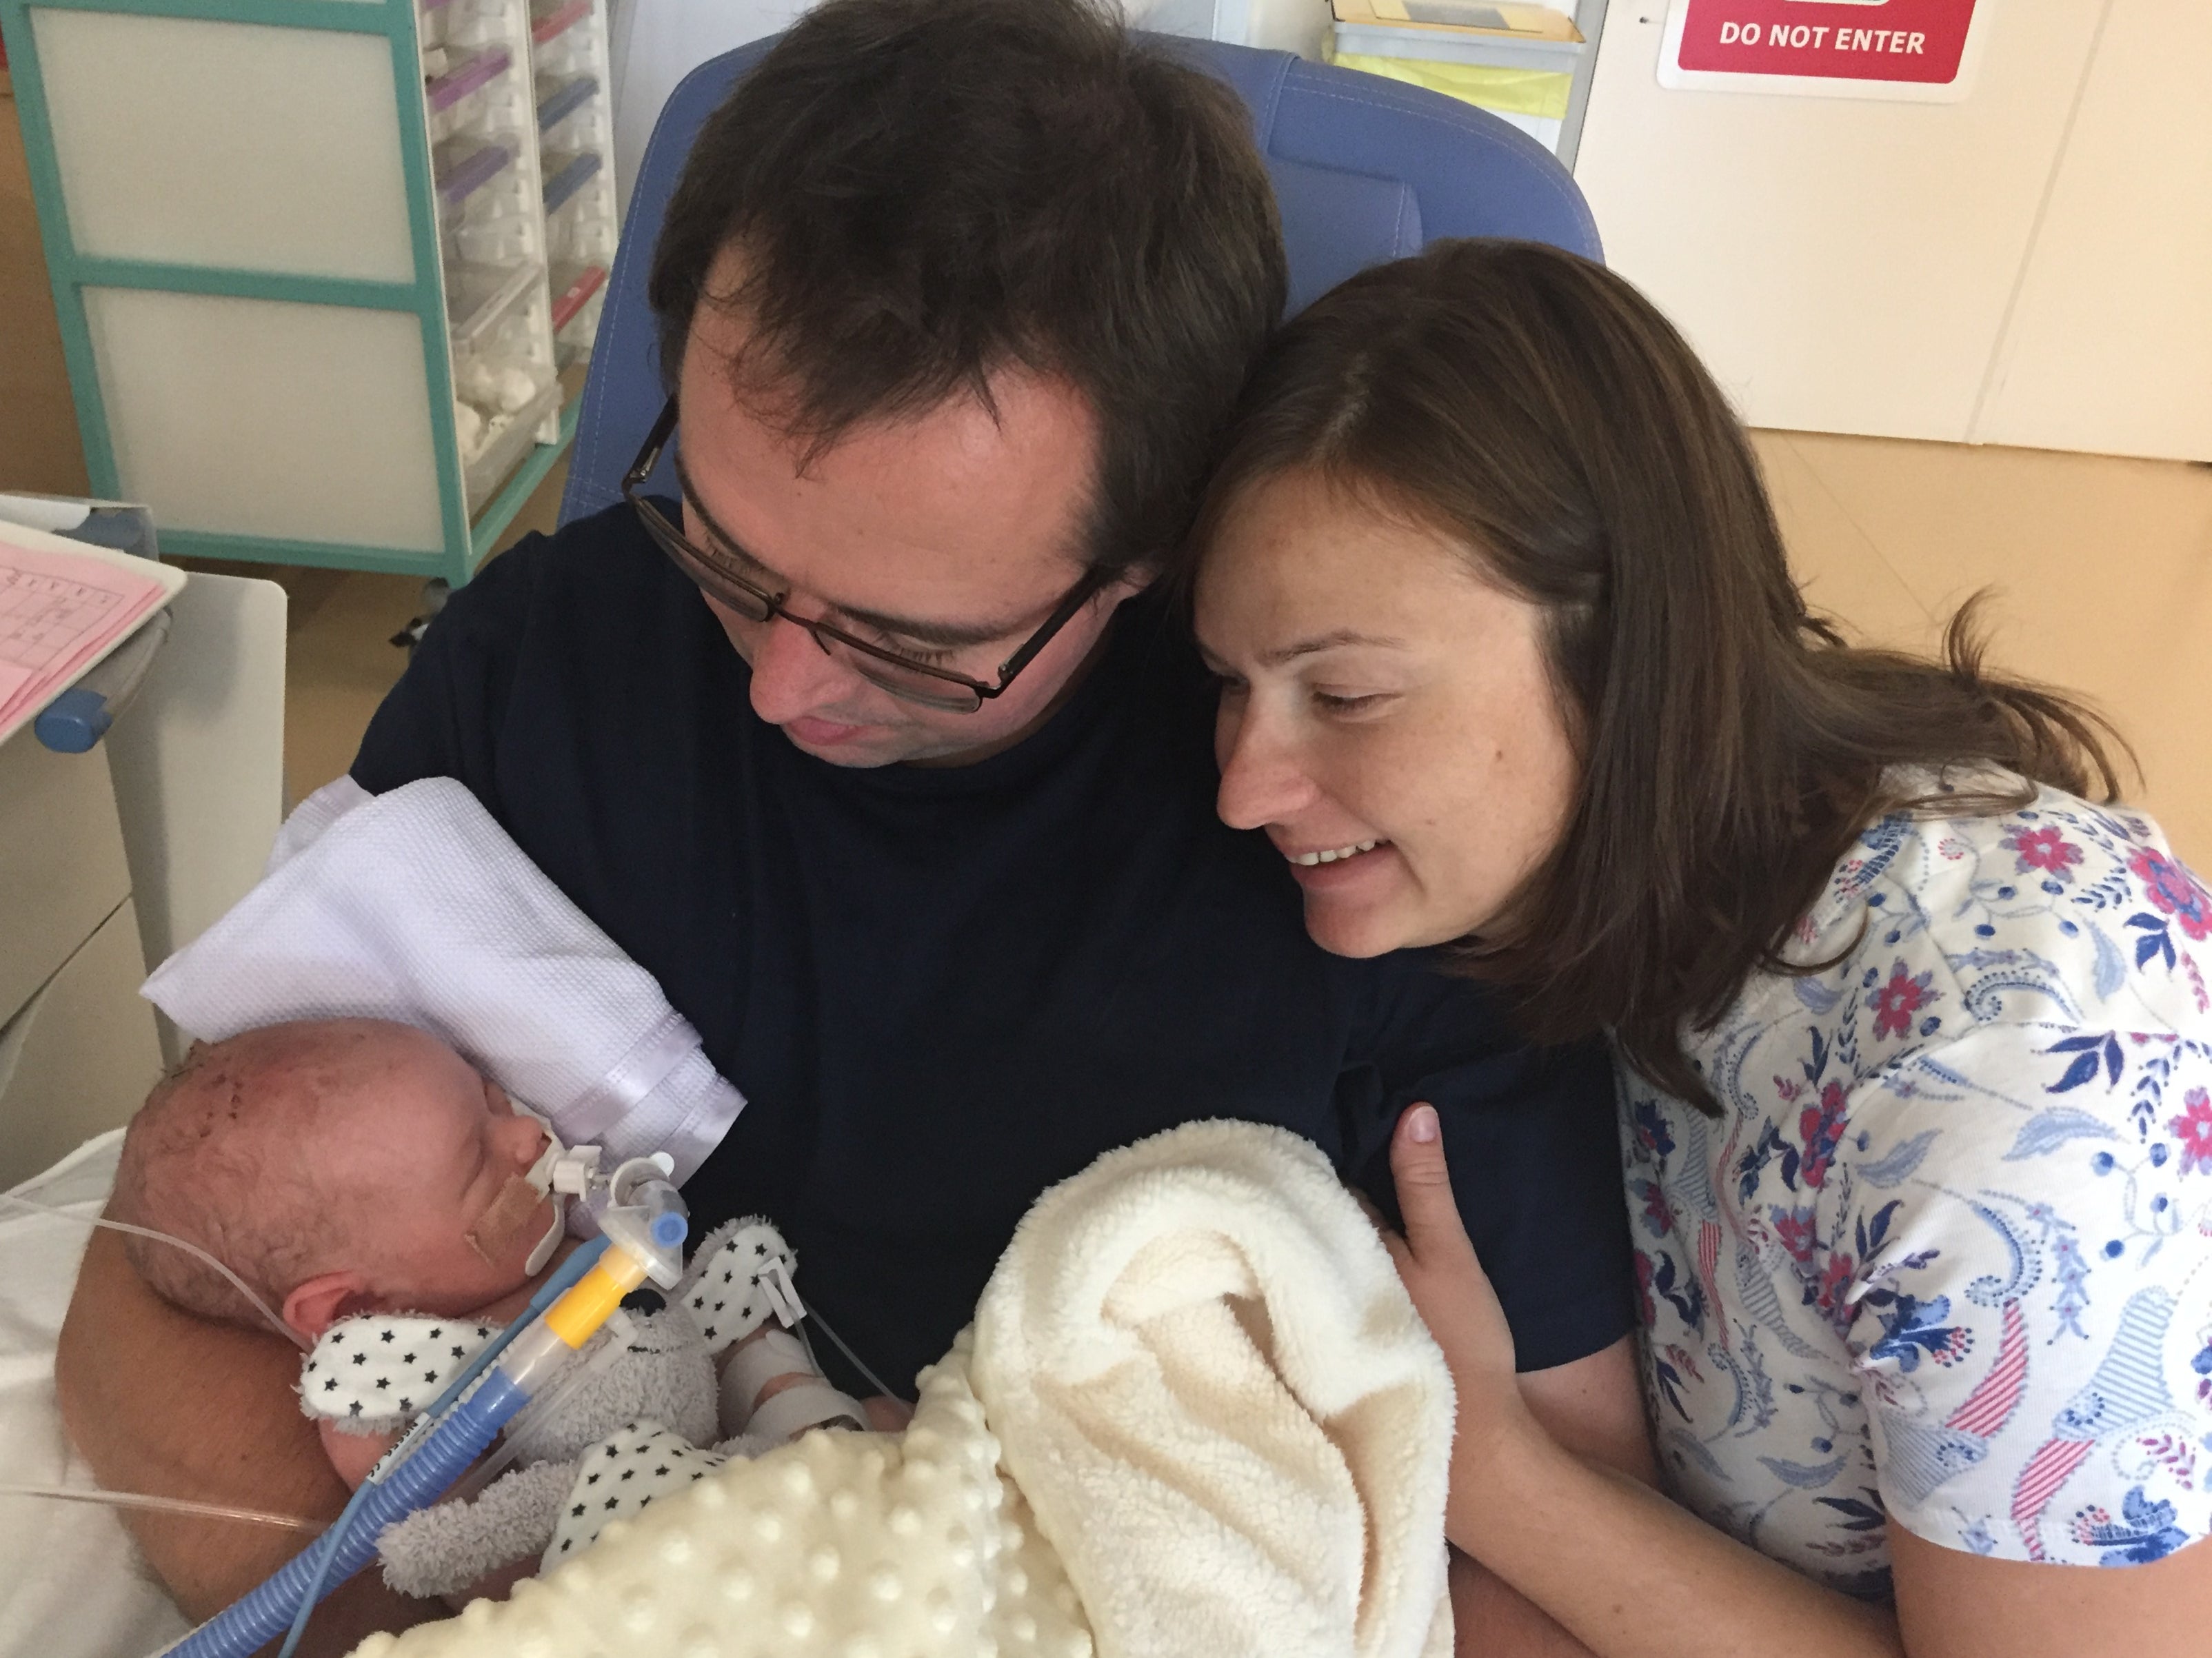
(414, 906)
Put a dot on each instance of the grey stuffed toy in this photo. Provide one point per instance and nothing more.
(641, 1421)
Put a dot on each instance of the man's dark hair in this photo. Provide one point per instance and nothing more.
(927, 191)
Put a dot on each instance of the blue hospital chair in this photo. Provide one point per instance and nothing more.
(1364, 170)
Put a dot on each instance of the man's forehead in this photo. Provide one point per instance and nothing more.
(726, 356)
(961, 501)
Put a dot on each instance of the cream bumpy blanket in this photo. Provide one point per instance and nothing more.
(1196, 1413)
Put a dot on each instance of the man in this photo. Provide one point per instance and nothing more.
(875, 751)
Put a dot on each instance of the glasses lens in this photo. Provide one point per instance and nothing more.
(911, 685)
(914, 683)
(718, 584)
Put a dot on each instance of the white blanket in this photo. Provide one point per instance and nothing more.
(1196, 1415)
(72, 1584)
(415, 906)
(1213, 1389)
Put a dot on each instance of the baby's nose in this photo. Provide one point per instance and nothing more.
(523, 1140)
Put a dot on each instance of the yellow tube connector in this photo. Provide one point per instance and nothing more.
(576, 1317)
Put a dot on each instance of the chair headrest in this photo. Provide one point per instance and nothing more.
(1366, 170)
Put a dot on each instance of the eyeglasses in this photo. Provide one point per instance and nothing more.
(924, 683)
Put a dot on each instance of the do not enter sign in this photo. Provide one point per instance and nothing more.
(1920, 50)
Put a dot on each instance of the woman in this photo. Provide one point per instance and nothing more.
(1916, 1056)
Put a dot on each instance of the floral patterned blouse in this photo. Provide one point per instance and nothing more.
(1944, 1258)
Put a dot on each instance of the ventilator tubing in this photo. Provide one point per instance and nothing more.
(651, 1232)
(437, 1465)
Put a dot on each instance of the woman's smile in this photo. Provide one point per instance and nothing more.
(1330, 854)
(1379, 700)
(1357, 873)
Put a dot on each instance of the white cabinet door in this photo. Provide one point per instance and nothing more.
(2109, 345)
(79, 1057)
(199, 758)
(1843, 265)
(62, 866)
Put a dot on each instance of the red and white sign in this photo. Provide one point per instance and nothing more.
(1917, 50)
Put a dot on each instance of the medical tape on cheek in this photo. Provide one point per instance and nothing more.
(511, 1220)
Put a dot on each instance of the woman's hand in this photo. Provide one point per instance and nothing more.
(1449, 1287)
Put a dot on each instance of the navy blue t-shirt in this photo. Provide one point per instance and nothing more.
(941, 989)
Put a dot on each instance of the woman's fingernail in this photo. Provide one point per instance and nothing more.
(1421, 1124)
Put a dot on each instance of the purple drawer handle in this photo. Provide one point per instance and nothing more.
(454, 85)
(478, 168)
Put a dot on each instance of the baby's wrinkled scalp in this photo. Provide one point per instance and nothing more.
(226, 1154)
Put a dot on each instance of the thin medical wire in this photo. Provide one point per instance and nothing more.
(873, 1379)
(237, 1282)
(545, 1405)
(163, 1505)
(311, 1596)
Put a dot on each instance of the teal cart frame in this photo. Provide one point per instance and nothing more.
(466, 542)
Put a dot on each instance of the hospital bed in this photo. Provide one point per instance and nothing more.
(1364, 170)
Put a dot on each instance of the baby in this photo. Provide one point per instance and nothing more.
(352, 1168)
(339, 1166)
(1254, 1451)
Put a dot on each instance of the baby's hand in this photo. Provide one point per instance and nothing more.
(887, 1415)
(769, 1364)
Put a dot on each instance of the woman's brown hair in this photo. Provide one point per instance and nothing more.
(1537, 410)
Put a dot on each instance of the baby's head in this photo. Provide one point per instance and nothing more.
(339, 1166)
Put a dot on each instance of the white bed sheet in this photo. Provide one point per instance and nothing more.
(72, 1584)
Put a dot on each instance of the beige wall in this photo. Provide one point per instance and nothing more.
(38, 446)
(2027, 265)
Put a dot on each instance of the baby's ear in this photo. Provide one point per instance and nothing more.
(321, 1301)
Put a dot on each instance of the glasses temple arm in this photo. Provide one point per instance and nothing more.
(1080, 595)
